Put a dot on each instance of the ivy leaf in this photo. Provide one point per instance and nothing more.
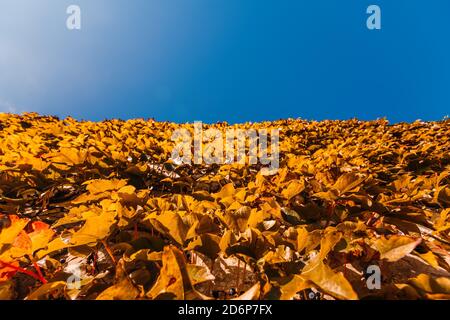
(294, 188)
(9, 235)
(348, 182)
(329, 281)
(124, 290)
(292, 285)
(396, 247)
(174, 281)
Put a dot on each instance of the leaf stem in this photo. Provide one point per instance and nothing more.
(108, 250)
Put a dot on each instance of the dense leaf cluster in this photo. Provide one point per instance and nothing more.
(97, 210)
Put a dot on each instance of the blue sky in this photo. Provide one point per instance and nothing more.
(232, 60)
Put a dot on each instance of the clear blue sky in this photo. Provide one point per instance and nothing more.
(233, 60)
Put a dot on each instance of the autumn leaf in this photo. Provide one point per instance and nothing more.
(9, 235)
(292, 285)
(95, 228)
(294, 188)
(174, 281)
(171, 223)
(123, 290)
(348, 182)
(47, 291)
(396, 247)
(329, 281)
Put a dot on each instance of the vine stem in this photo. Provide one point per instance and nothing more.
(238, 275)
(24, 271)
(38, 270)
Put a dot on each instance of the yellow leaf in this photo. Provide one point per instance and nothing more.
(8, 235)
(124, 290)
(40, 239)
(329, 281)
(208, 244)
(424, 282)
(226, 191)
(256, 217)
(329, 241)
(396, 247)
(95, 229)
(294, 188)
(294, 284)
(70, 156)
(348, 182)
(237, 220)
(430, 258)
(100, 186)
(302, 237)
(173, 282)
(173, 225)
(127, 190)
